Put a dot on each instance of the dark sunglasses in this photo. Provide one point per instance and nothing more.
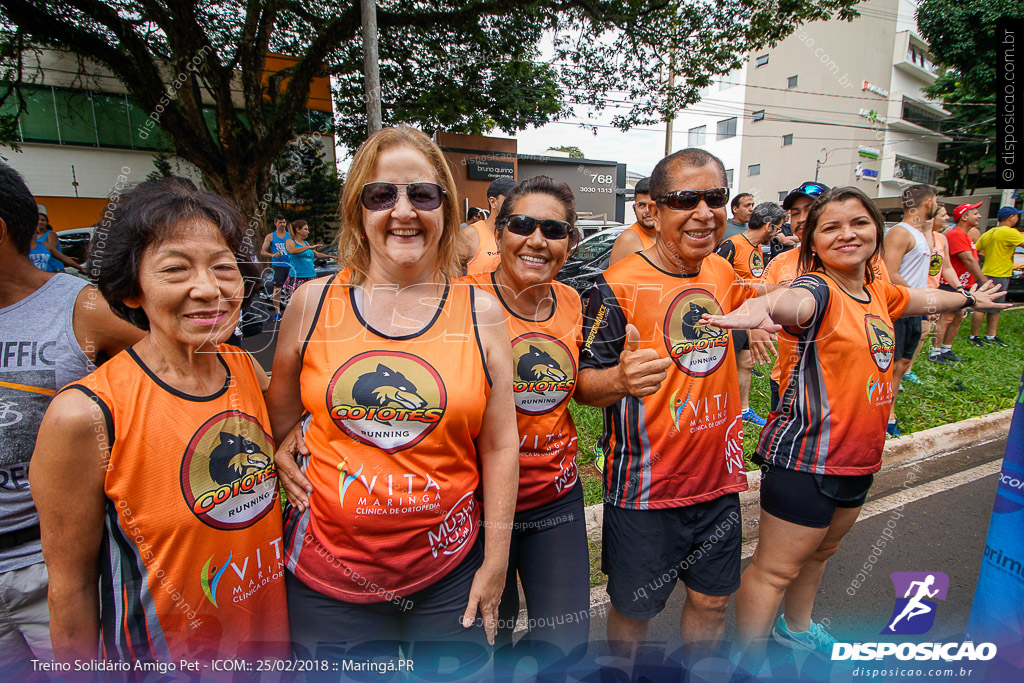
(383, 196)
(685, 200)
(550, 228)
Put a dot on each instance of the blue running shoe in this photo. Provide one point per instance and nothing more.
(892, 430)
(815, 639)
(912, 378)
(753, 418)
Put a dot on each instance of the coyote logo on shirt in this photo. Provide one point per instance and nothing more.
(227, 472)
(387, 399)
(697, 349)
(388, 389)
(881, 341)
(545, 373)
(235, 457)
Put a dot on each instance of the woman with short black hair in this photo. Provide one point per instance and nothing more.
(154, 475)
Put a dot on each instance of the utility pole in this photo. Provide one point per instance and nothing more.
(370, 65)
(669, 117)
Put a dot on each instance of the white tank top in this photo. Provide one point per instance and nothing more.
(914, 267)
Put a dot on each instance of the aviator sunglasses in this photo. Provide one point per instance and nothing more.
(550, 228)
(685, 200)
(383, 196)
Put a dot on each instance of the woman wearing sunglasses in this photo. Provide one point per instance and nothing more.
(821, 447)
(536, 234)
(408, 383)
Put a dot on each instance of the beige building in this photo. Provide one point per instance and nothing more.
(842, 102)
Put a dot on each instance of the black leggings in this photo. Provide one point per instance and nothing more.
(549, 553)
(425, 625)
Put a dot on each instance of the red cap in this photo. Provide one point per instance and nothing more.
(959, 211)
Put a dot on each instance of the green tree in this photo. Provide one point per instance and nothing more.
(307, 185)
(573, 151)
(464, 66)
(961, 34)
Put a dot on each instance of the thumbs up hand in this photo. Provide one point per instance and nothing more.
(641, 371)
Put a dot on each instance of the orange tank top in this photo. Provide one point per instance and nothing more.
(192, 565)
(393, 461)
(487, 257)
(646, 241)
(545, 358)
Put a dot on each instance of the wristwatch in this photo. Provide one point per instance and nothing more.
(971, 299)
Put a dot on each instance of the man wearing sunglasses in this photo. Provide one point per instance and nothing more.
(672, 437)
(641, 235)
(478, 247)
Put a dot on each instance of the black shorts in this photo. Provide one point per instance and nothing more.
(809, 499)
(644, 552)
(740, 340)
(908, 336)
(280, 274)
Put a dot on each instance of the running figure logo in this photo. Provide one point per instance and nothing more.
(914, 612)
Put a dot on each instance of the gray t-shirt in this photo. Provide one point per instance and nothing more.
(38, 355)
(732, 228)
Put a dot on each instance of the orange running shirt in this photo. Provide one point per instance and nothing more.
(940, 250)
(393, 463)
(744, 257)
(836, 387)
(486, 258)
(784, 268)
(192, 564)
(645, 241)
(545, 355)
(683, 444)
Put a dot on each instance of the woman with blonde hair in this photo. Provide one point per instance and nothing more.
(408, 382)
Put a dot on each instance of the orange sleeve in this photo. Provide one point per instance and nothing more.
(896, 298)
(739, 292)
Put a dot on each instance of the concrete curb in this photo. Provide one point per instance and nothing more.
(899, 453)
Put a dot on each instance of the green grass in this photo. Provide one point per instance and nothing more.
(986, 382)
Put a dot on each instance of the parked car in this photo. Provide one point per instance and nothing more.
(75, 243)
(1015, 289)
(589, 261)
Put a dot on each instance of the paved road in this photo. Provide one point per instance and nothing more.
(942, 532)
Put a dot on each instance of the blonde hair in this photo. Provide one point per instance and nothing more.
(352, 245)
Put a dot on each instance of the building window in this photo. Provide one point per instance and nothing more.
(728, 80)
(922, 116)
(762, 60)
(787, 140)
(728, 177)
(727, 128)
(754, 169)
(757, 115)
(791, 81)
(915, 172)
(782, 196)
(697, 136)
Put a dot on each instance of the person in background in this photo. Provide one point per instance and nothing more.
(54, 329)
(743, 252)
(964, 258)
(939, 266)
(45, 251)
(154, 475)
(908, 256)
(642, 234)
(997, 245)
(478, 248)
(274, 249)
(301, 254)
(741, 205)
